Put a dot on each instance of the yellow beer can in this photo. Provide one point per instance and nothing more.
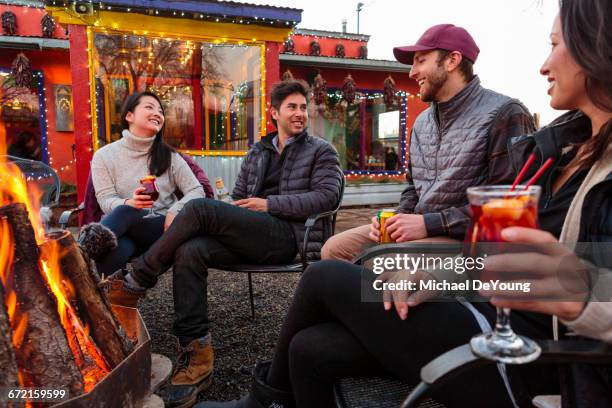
(383, 215)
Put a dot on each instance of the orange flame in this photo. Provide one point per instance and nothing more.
(17, 320)
(14, 189)
(86, 354)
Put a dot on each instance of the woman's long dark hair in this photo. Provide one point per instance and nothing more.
(586, 31)
(160, 154)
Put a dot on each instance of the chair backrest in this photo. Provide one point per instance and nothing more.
(417, 249)
(338, 204)
(91, 208)
(44, 177)
(199, 174)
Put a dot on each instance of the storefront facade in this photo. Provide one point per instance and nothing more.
(35, 87)
(211, 64)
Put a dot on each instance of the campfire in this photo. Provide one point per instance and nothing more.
(57, 330)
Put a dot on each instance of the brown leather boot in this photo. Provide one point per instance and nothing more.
(192, 374)
(194, 365)
(119, 293)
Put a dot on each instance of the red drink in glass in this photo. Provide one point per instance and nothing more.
(490, 218)
(493, 209)
(148, 182)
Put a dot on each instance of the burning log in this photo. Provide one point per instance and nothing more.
(42, 352)
(92, 306)
(8, 374)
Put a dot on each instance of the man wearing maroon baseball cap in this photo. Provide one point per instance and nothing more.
(440, 37)
(458, 142)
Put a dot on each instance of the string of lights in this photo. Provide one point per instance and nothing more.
(172, 12)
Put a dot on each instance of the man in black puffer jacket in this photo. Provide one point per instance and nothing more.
(286, 177)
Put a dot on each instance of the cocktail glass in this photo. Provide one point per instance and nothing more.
(148, 182)
(493, 209)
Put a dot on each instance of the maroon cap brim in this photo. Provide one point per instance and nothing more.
(405, 54)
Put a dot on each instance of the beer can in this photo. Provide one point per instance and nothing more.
(383, 215)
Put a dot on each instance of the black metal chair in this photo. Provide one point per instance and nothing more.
(460, 360)
(295, 267)
(374, 393)
(418, 248)
(42, 176)
(45, 179)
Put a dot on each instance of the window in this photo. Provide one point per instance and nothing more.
(20, 115)
(210, 90)
(369, 135)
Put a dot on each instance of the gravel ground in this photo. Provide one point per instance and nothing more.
(239, 341)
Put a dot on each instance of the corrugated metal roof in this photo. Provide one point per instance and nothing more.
(225, 11)
(350, 63)
(253, 4)
(32, 43)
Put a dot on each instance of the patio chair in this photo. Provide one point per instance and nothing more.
(377, 392)
(295, 267)
(460, 361)
(45, 179)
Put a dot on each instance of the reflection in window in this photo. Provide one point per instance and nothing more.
(369, 136)
(20, 117)
(210, 91)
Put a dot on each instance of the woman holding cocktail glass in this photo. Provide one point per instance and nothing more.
(135, 179)
(573, 281)
(330, 332)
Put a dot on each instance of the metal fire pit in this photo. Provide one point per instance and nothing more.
(129, 384)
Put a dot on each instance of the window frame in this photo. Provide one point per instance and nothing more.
(260, 131)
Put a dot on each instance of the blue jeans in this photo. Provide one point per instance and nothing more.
(135, 235)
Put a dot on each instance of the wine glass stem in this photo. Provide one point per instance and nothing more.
(502, 326)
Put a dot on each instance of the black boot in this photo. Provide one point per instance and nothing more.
(97, 240)
(260, 396)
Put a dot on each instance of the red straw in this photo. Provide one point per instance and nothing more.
(542, 169)
(526, 166)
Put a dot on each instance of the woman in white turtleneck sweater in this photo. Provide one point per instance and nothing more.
(116, 171)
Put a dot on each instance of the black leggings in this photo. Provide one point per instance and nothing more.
(329, 333)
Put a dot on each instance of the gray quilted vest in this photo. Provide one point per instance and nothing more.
(449, 154)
